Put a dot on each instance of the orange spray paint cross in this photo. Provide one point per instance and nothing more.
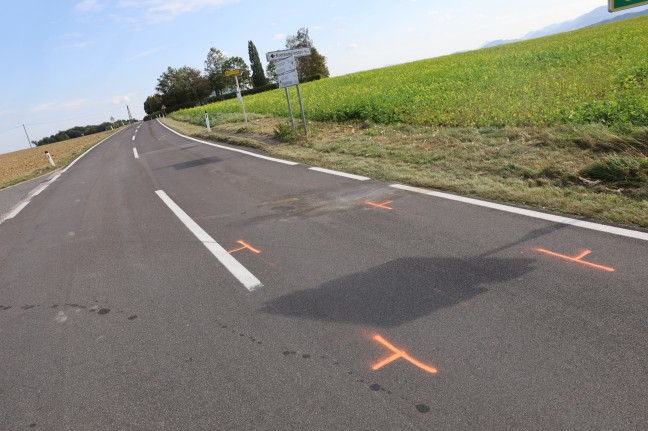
(398, 354)
(244, 246)
(382, 205)
(577, 259)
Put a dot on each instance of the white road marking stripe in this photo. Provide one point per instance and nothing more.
(133, 137)
(135, 153)
(530, 213)
(239, 271)
(15, 211)
(340, 174)
(272, 159)
(37, 191)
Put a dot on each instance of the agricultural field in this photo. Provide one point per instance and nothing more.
(599, 74)
(25, 164)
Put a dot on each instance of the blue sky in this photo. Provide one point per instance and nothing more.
(78, 62)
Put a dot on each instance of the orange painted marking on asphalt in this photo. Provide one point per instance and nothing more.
(577, 259)
(397, 354)
(382, 205)
(245, 245)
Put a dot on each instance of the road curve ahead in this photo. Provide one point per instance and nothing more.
(165, 284)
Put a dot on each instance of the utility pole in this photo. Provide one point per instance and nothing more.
(30, 144)
(130, 117)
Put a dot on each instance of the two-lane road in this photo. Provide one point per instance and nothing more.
(162, 283)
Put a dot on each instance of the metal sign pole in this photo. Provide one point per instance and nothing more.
(301, 106)
(292, 119)
(240, 99)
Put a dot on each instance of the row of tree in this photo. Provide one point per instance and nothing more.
(78, 131)
(187, 87)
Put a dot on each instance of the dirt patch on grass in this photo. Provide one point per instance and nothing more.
(23, 165)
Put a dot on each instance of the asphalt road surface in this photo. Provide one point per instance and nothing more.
(164, 284)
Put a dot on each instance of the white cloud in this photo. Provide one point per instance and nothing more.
(279, 36)
(74, 104)
(164, 10)
(149, 52)
(81, 45)
(42, 107)
(121, 99)
(88, 6)
(353, 46)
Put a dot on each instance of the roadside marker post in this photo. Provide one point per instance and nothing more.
(207, 121)
(49, 158)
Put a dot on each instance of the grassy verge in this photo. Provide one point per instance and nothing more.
(24, 165)
(584, 170)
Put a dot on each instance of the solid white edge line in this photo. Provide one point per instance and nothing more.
(530, 213)
(340, 174)
(233, 266)
(25, 201)
(135, 153)
(272, 159)
(14, 212)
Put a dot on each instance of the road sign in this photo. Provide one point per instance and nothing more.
(278, 55)
(285, 65)
(233, 72)
(615, 5)
(288, 79)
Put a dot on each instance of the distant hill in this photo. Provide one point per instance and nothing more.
(598, 16)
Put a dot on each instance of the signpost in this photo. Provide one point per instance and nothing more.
(235, 73)
(297, 52)
(286, 68)
(615, 5)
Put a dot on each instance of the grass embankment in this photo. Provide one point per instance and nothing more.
(545, 167)
(23, 165)
(557, 123)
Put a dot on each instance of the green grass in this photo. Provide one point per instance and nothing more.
(599, 74)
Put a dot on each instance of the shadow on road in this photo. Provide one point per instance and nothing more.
(195, 163)
(398, 291)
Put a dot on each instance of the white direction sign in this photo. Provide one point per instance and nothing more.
(287, 72)
(285, 65)
(288, 79)
(297, 52)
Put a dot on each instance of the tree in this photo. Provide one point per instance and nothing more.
(182, 87)
(258, 77)
(271, 73)
(152, 104)
(244, 78)
(215, 70)
(307, 66)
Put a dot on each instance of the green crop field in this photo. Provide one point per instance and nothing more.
(599, 74)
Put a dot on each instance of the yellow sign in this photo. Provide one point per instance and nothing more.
(233, 72)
